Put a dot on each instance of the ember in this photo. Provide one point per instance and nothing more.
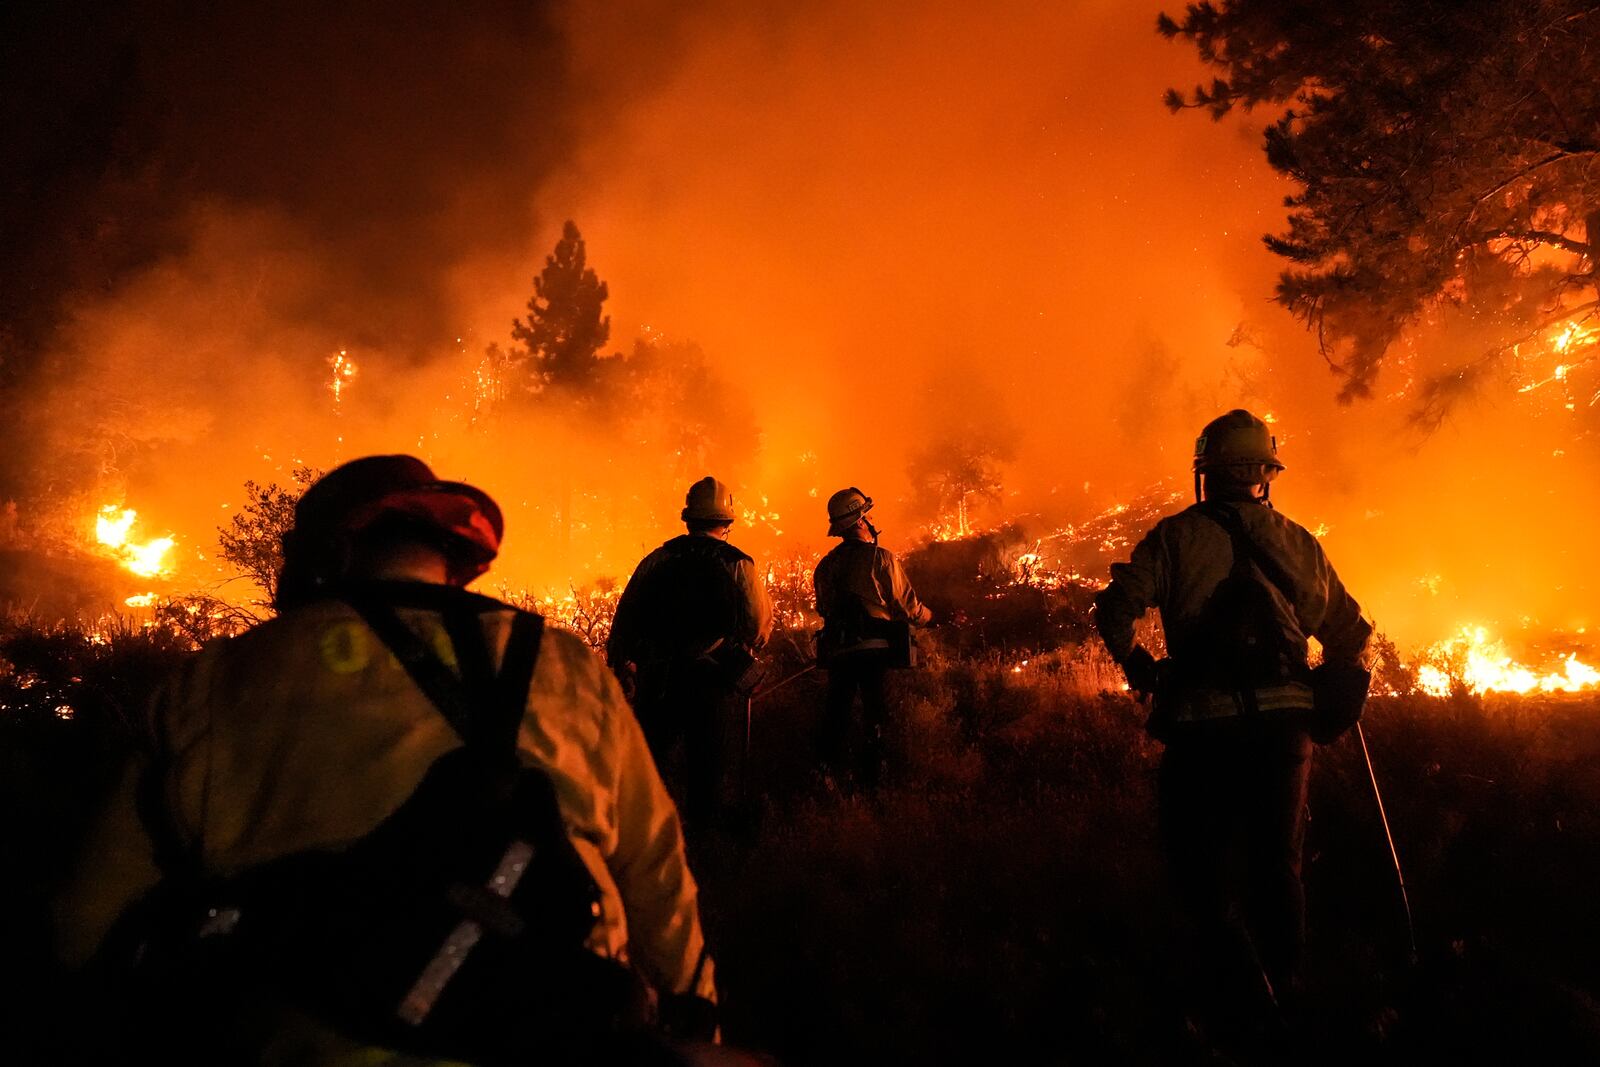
(344, 371)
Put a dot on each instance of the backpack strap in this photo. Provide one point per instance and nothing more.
(516, 676)
(721, 556)
(175, 857)
(857, 557)
(485, 710)
(1247, 551)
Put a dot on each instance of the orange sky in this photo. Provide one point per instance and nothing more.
(885, 223)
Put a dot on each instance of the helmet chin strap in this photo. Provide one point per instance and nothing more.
(1199, 493)
(871, 529)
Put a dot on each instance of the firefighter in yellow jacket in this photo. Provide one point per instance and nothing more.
(866, 603)
(1239, 588)
(305, 734)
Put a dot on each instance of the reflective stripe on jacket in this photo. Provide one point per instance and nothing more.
(306, 733)
(1180, 563)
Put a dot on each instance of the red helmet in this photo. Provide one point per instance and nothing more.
(356, 496)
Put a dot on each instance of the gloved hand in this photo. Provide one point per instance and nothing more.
(1140, 670)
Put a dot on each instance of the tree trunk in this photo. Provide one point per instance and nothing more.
(566, 523)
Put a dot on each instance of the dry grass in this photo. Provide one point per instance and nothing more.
(1001, 897)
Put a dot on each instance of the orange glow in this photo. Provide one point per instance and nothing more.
(887, 226)
(1565, 341)
(148, 559)
(1480, 663)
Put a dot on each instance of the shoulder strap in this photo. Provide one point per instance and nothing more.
(485, 711)
(872, 558)
(488, 722)
(709, 557)
(847, 603)
(1245, 549)
(516, 676)
(174, 857)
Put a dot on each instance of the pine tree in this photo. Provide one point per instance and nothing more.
(564, 332)
(1447, 158)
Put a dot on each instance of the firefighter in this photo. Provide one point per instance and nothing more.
(868, 608)
(1239, 588)
(684, 639)
(308, 743)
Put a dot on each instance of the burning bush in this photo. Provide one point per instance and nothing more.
(992, 587)
(97, 676)
(586, 612)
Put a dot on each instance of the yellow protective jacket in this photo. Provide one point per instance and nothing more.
(873, 576)
(1180, 563)
(306, 733)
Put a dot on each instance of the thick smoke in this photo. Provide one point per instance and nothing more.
(254, 186)
(893, 230)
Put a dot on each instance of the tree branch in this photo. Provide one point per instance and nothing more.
(1586, 310)
(1554, 157)
(1555, 240)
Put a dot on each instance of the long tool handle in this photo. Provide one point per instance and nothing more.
(1383, 816)
(774, 687)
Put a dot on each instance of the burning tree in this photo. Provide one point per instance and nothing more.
(1445, 153)
(959, 473)
(562, 337)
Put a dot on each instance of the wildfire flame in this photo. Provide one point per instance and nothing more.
(1571, 339)
(1572, 335)
(344, 369)
(1480, 663)
(956, 526)
(112, 528)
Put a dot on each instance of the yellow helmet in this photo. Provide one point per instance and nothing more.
(708, 500)
(1235, 439)
(845, 509)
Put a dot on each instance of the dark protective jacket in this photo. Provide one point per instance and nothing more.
(859, 575)
(1179, 564)
(689, 596)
